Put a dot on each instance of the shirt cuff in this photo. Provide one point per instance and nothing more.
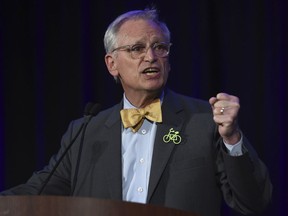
(236, 149)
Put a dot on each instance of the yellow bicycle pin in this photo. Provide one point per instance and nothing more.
(172, 136)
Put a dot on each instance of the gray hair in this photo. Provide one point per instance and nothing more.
(110, 37)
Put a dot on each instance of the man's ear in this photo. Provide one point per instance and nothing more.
(111, 65)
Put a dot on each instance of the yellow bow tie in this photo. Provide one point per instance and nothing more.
(134, 118)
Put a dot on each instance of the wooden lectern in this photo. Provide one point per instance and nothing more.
(79, 206)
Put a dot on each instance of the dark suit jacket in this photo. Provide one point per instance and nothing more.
(194, 175)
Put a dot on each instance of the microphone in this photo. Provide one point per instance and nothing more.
(91, 110)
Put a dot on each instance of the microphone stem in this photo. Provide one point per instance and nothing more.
(79, 155)
(59, 160)
(90, 111)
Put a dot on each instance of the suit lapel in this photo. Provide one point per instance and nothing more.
(113, 156)
(172, 118)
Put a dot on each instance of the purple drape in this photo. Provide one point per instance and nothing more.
(52, 64)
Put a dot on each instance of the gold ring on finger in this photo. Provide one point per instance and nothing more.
(222, 110)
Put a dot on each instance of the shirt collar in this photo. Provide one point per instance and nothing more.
(128, 105)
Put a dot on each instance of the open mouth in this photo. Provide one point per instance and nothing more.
(150, 71)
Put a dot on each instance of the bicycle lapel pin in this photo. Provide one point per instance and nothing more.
(172, 136)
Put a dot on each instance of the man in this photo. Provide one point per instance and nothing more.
(188, 156)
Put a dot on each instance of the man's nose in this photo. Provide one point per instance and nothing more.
(150, 55)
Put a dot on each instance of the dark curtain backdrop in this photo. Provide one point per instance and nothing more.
(52, 64)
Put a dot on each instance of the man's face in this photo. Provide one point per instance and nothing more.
(146, 74)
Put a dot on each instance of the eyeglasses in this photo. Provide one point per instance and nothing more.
(160, 49)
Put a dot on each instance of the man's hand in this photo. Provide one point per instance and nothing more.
(225, 111)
